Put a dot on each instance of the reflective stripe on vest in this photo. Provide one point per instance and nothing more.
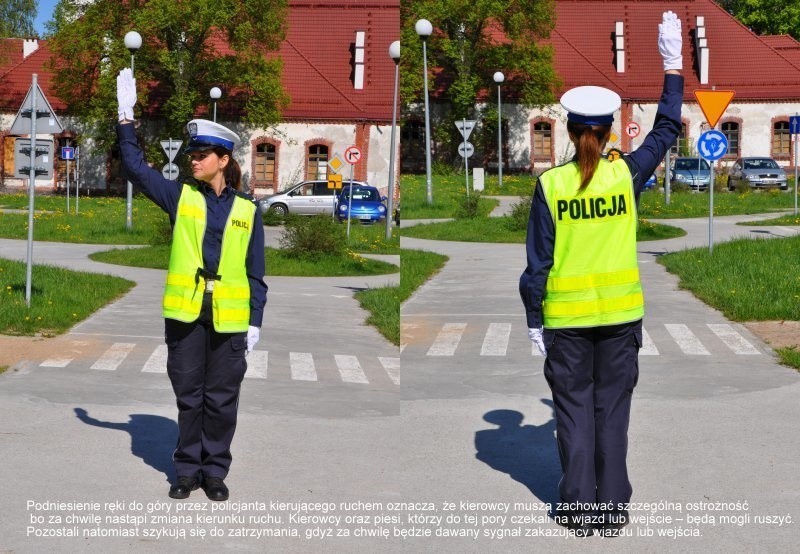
(594, 279)
(183, 293)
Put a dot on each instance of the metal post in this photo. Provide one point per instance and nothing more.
(499, 141)
(350, 200)
(466, 159)
(129, 195)
(795, 168)
(711, 208)
(667, 176)
(31, 186)
(392, 154)
(427, 126)
(77, 177)
(215, 111)
(67, 185)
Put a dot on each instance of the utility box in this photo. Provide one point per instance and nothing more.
(42, 159)
(477, 178)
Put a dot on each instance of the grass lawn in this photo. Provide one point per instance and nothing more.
(789, 219)
(501, 229)
(447, 193)
(60, 298)
(278, 263)
(746, 279)
(100, 220)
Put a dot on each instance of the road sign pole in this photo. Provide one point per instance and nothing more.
(667, 178)
(795, 167)
(350, 200)
(711, 208)
(77, 177)
(68, 186)
(31, 185)
(466, 160)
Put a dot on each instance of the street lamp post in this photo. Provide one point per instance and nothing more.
(499, 78)
(216, 94)
(394, 53)
(133, 41)
(424, 29)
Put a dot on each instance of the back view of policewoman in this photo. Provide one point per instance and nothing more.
(214, 295)
(582, 294)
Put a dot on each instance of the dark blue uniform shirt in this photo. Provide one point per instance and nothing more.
(642, 163)
(165, 193)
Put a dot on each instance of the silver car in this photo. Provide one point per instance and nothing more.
(693, 172)
(305, 198)
(757, 173)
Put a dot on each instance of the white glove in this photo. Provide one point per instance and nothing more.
(536, 336)
(253, 334)
(670, 41)
(126, 94)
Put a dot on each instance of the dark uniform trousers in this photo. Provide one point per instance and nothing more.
(592, 373)
(206, 369)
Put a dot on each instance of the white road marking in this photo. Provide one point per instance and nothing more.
(56, 362)
(114, 356)
(732, 339)
(157, 362)
(257, 364)
(392, 367)
(687, 341)
(447, 340)
(350, 369)
(301, 365)
(648, 347)
(495, 342)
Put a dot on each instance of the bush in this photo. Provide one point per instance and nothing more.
(271, 218)
(677, 186)
(520, 213)
(312, 237)
(468, 207)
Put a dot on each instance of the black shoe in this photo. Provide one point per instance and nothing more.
(578, 522)
(215, 488)
(183, 487)
(611, 522)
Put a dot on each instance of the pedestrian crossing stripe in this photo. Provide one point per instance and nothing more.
(302, 366)
(497, 339)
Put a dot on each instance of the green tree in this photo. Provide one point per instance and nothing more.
(767, 17)
(16, 18)
(471, 40)
(188, 47)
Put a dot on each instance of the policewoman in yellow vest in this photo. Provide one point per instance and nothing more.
(214, 295)
(583, 296)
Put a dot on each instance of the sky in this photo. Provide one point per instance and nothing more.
(45, 13)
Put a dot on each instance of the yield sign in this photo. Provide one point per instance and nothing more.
(713, 103)
(465, 127)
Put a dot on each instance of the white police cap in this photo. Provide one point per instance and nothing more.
(205, 134)
(591, 105)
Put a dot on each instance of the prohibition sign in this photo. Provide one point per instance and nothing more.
(632, 129)
(352, 155)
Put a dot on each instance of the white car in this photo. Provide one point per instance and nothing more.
(305, 198)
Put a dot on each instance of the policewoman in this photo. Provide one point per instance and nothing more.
(214, 295)
(582, 293)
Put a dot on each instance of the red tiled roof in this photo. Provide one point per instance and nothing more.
(316, 62)
(16, 74)
(583, 44)
(317, 59)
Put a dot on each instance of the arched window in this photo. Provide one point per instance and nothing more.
(781, 140)
(542, 140)
(731, 130)
(317, 162)
(264, 164)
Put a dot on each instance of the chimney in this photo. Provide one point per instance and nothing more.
(619, 46)
(29, 46)
(701, 47)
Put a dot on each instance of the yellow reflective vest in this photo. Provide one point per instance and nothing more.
(183, 293)
(594, 279)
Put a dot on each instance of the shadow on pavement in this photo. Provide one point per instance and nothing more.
(528, 453)
(152, 438)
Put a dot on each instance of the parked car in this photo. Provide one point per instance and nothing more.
(693, 172)
(650, 183)
(367, 204)
(757, 173)
(305, 198)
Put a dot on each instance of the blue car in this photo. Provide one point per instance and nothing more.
(367, 206)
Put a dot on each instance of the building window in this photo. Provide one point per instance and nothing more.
(781, 140)
(542, 140)
(264, 164)
(412, 146)
(731, 131)
(317, 162)
(681, 146)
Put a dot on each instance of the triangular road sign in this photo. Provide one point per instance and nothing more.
(465, 127)
(713, 103)
(46, 121)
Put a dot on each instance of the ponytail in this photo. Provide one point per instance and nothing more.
(589, 142)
